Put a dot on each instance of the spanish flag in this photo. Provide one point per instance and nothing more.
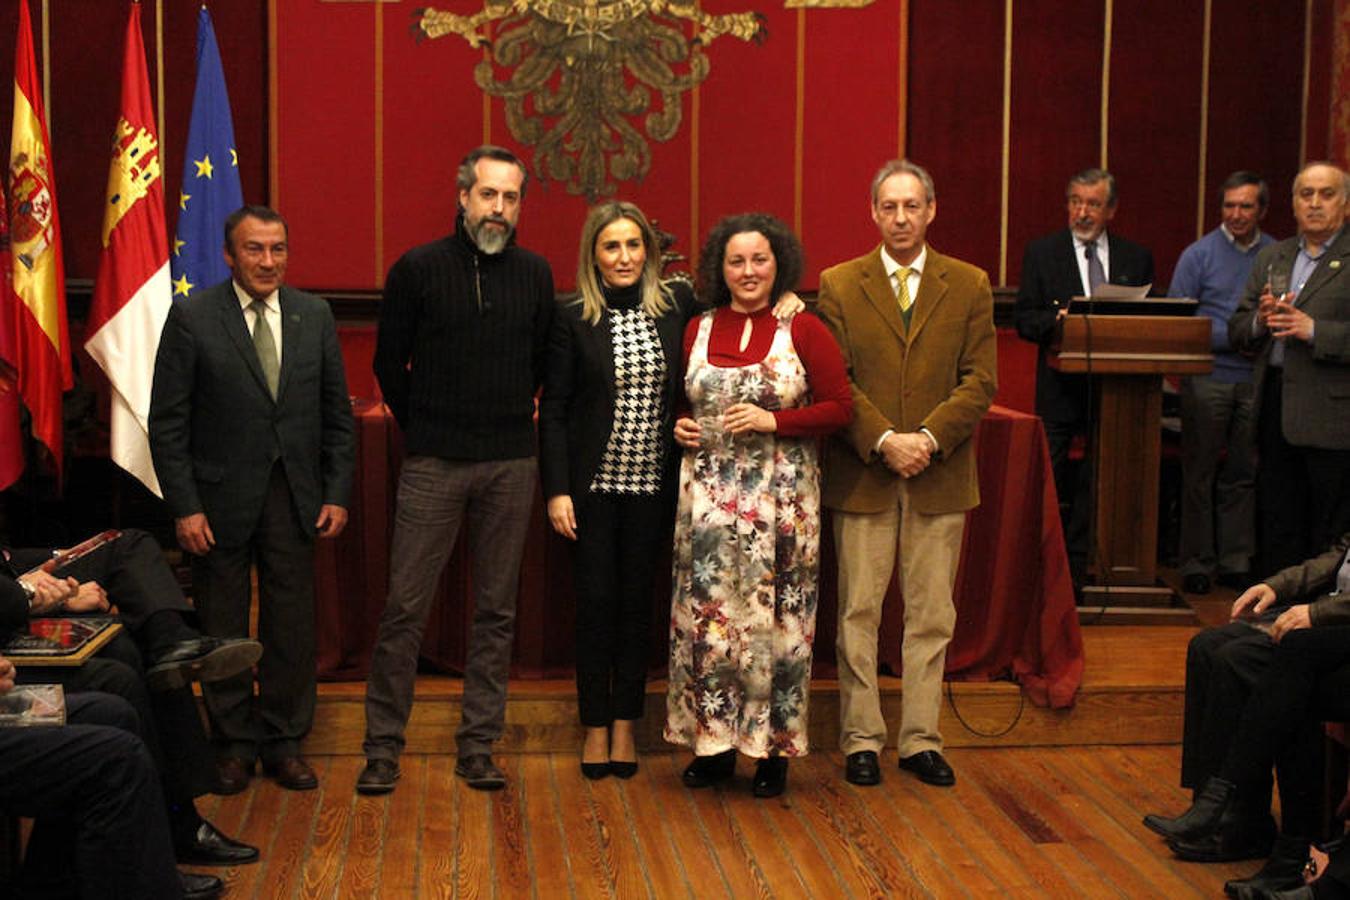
(132, 292)
(35, 298)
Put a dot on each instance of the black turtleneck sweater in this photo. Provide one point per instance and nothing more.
(461, 346)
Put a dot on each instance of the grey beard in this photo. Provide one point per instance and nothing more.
(490, 240)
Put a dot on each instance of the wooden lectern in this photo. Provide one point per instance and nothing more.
(1127, 355)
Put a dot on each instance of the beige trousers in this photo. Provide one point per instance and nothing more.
(929, 548)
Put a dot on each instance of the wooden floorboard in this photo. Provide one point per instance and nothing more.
(1048, 803)
(1021, 822)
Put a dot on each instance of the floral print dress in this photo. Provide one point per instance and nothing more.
(747, 539)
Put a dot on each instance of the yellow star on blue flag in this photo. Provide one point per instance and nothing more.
(197, 261)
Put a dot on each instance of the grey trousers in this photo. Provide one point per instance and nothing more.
(1218, 500)
(434, 497)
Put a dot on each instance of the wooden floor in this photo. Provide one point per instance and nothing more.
(1042, 822)
(1047, 804)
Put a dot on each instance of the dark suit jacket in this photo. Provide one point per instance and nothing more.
(939, 374)
(215, 430)
(576, 409)
(1313, 581)
(1316, 387)
(1050, 277)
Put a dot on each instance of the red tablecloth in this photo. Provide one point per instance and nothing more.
(1015, 608)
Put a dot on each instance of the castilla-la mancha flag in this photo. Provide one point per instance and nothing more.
(34, 301)
(132, 293)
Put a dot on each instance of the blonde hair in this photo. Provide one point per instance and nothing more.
(655, 300)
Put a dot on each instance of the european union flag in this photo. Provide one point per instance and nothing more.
(210, 175)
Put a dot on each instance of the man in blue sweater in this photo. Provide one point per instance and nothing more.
(1219, 491)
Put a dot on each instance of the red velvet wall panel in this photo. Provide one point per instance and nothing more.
(1153, 126)
(1256, 79)
(956, 123)
(325, 178)
(86, 46)
(1056, 113)
(1321, 93)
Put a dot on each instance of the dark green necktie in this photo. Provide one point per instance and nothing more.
(265, 343)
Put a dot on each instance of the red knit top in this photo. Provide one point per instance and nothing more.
(832, 402)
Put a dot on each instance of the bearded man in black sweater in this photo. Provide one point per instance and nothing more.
(463, 331)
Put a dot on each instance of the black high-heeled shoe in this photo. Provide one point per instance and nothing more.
(770, 777)
(623, 768)
(707, 770)
(595, 771)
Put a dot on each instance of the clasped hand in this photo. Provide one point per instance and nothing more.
(907, 453)
(52, 594)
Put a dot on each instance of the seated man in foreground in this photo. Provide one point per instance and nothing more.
(91, 789)
(150, 664)
(1304, 678)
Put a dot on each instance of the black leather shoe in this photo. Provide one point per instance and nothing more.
(1236, 838)
(930, 767)
(1195, 583)
(292, 773)
(233, 775)
(203, 659)
(708, 770)
(200, 887)
(862, 768)
(1302, 892)
(208, 847)
(377, 777)
(479, 772)
(1204, 814)
(770, 777)
(1284, 869)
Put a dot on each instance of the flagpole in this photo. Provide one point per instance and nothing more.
(159, 76)
(47, 59)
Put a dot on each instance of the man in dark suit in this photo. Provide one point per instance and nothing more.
(1056, 268)
(1303, 613)
(150, 664)
(99, 827)
(252, 436)
(1300, 336)
(917, 332)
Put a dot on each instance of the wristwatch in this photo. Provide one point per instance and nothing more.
(29, 592)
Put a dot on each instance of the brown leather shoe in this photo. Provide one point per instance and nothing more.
(292, 773)
(233, 775)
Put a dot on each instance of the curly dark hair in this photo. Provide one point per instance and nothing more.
(787, 254)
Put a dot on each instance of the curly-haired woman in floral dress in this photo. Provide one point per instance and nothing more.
(747, 533)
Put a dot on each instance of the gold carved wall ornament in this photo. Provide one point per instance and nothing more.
(583, 75)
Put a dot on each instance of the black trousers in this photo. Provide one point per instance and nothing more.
(1302, 493)
(1223, 665)
(271, 724)
(1073, 486)
(1308, 682)
(613, 562)
(99, 817)
(168, 721)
